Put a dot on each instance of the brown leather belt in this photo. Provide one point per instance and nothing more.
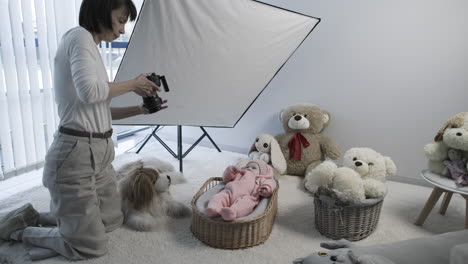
(77, 133)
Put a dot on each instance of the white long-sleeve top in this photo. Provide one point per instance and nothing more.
(80, 83)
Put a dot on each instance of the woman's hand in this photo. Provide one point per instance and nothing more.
(143, 110)
(145, 87)
(163, 106)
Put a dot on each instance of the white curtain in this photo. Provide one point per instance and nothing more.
(29, 34)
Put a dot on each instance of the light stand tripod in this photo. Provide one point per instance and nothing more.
(179, 154)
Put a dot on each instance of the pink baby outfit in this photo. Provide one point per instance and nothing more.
(244, 187)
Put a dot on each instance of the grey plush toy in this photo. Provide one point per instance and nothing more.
(341, 254)
(456, 167)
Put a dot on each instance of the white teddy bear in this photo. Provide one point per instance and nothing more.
(454, 135)
(362, 175)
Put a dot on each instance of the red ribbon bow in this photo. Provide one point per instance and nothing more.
(294, 145)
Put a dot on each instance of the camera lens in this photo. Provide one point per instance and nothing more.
(152, 103)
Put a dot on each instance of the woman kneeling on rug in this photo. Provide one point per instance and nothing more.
(78, 171)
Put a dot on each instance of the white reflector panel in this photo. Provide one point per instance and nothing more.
(217, 57)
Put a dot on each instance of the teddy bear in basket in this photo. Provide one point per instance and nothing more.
(266, 148)
(452, 135)
(244, 188)
(302, 144)
(341, 252)
(362, 175)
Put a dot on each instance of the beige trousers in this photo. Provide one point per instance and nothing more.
(84, 199)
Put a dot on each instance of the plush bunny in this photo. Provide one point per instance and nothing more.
(341, 253)
(266, 148)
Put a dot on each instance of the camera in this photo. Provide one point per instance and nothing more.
(153, 103)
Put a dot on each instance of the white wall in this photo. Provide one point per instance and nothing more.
(390, 72)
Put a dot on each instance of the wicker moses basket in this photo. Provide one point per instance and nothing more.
(234, 234)
(352, 222)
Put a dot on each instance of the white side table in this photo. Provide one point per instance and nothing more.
(442, 185)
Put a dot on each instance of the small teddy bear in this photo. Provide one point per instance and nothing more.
(453, 134)
(362, 175)
(302, 144)
(456, 165)
(267, 149)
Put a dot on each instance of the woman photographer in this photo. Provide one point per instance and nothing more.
(78, 172)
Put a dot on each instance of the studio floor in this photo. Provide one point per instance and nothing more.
(294, 234)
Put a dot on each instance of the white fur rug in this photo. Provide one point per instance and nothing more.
(293, 235)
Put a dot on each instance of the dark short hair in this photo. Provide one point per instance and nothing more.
(98, 12)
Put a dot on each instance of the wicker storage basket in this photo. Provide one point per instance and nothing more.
(351, 222)
(234, 234)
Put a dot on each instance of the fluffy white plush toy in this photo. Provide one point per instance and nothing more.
(362, 175)
(453, 134)
(266, 148)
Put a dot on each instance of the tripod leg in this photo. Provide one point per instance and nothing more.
(147, 139)
(214, 144)
(179, 147)
(144, 143)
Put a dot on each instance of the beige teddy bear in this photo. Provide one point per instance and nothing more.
(362, 176)
(454, 135)
(302, 144)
